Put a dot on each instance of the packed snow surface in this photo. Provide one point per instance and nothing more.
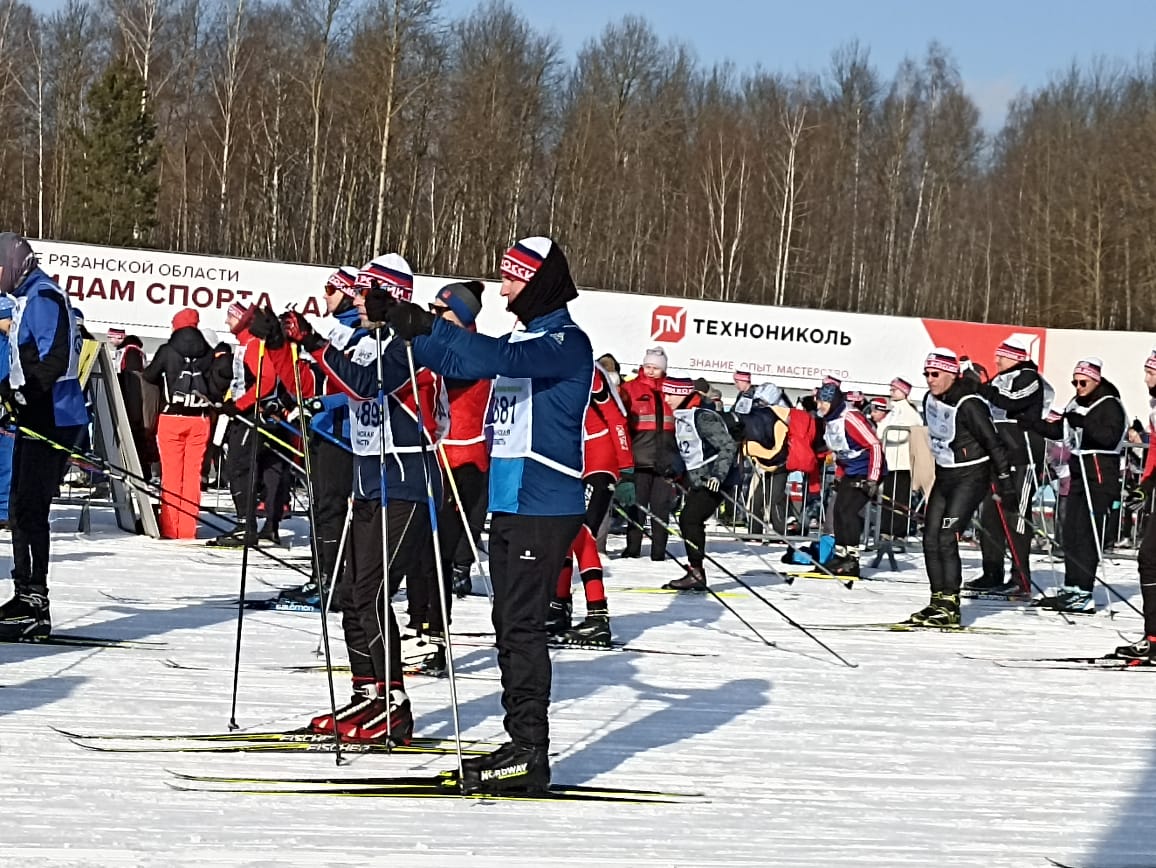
(925, 753)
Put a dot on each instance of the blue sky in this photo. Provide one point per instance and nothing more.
(1000, 47)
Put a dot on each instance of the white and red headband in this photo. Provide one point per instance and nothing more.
(942, 359)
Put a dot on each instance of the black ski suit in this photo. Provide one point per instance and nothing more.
(966, 449)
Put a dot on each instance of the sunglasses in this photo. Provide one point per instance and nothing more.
(1081, 383)
(438, 310)
(932, 375)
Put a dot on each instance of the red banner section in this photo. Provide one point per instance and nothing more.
(978, 341)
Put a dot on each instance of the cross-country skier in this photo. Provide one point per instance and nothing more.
(706, 452)
(1018, 397)
(379, 706)
(43, 392)
(967, 450)
(1093, 427)
(859, 456)
(609, 470)
(537, 410)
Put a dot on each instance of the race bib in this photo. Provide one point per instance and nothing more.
(510, 417)
(687, 437)
(365, 427)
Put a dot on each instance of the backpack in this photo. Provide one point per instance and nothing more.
(190, 389)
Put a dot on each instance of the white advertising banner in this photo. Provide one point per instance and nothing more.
(141, 290)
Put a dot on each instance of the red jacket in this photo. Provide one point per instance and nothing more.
(607, 446)
(650, 422)
(466, 441)
(248, 354)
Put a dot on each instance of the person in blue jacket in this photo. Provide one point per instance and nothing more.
(43, 391)
(8, 435)
(543, 377)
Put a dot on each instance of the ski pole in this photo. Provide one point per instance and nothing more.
(755, 593)
(427, 453)
(387, 602)
(1015, 555)
(778, 538)
(152, 489)
(273, 438)
(1099, 542)
(787, 577)
(250, 532)
(299, 394)
(709, 589)
(465, 522)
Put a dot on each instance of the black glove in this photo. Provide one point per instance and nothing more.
(1135, 498)
(228, 408)
(870, 487)
(1076, 420)
(408, 320)
(266, 327)
(313, 406)
(378, 304)
(712, 484)
(1005, 490)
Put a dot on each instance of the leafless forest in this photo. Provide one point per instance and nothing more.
(329, 130)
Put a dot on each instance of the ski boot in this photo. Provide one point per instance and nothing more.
(1076, 601)
(916, 619)
(389, 717)
(364, 693)
(1141, 652)
(693, 580)
(845, 564)
(463, 582)
(558, 616)
(433, 666)
(594, 632)
(985, 584)
(309, 594)
(269, 534)
(511, 768)
(240, 536)
(946, 612)
(25, 618)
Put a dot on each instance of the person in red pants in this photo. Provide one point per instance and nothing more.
(609, 463)
(179, 368)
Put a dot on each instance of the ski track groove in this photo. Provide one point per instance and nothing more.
(918, 757)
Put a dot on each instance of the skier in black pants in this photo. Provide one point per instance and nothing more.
(541, 390)
(707, 451)
(1018, 397)
(379, 709)
(43, 393)
(966, 450)
(1093, 427)
(1145, 649)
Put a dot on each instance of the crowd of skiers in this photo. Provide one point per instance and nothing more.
(417, 427)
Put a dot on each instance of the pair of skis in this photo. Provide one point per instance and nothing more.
(442, 785)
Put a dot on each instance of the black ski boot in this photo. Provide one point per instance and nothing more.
(558, 616)
(511, 768)
(594, 632)
(845, 564)
(693, 580)
(310, 594)
(1143, 651)
(433, 666)
(463, 581)
(25, 618)
(917, 618)
(240, 536)
(985, 584)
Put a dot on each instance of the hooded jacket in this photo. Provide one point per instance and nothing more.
(186, 348)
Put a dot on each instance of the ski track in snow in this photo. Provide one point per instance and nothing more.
(917, 757)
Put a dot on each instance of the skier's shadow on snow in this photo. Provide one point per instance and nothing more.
(37, 693)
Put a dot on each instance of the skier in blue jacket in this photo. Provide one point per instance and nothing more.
(43, 391)
(534, 423)
(8, 434)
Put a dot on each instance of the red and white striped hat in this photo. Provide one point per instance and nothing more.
(343, 280)
(1090, 368)
(1150, 364)
(1015, 349)
(942, 359)
(902, 385)
(391, 272)
(880, 404)
(522, 261)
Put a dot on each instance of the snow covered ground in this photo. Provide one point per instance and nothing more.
(919, 756)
